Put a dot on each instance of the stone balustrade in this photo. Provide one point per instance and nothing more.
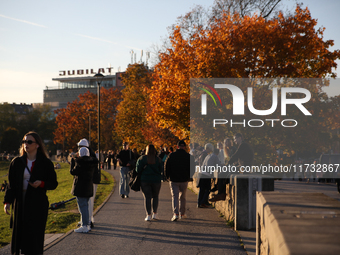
(297, 223)
(240, 203)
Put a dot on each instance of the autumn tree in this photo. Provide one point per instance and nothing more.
(200, 18)
(132, 110)
(8, 117)
(10, 140)
(240, 47)
(42, 120)
(159, 137)
(132, 124)
(14, 125)
(73, 121)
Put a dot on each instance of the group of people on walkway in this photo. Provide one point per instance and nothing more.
(33, 173)
(174, 167)
(225, 154)
(178, 168)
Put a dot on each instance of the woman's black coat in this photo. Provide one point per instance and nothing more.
(83, 169)
(29, 228)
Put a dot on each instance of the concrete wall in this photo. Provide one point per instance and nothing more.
(297, 223)
(240, 203)
(227, 207)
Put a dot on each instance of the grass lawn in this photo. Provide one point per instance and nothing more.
(59, 220)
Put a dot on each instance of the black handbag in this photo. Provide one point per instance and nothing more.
(135, 179)
(135, 183)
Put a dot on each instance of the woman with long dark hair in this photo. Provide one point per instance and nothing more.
(151, 168)
(30, 176)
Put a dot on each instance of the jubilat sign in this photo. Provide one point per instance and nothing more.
(84, 71)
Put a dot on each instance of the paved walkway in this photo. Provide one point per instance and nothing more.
(120, 229)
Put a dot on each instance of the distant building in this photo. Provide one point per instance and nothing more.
(70, 87)
(22, 109)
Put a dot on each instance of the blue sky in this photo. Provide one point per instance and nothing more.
(40, 38)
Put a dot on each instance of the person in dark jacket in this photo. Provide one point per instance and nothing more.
(29, 177)
(82, 186)
(96, 177)
(211, 160)
(178, 166)
(223, 178)
(151, 168)
(136, 154)
(244, 154)
(124, 157)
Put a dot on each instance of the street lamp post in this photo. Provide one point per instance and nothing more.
(63, 153)
(89, 129)
(99, 77)
(63, 140)
(89, 111)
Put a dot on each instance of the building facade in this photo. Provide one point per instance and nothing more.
(70, 87)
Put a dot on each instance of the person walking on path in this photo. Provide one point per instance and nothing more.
(29, 177)
(151, 168)
(96, 177)
(115, 161)
(82, 187)
(136, 154)
(108, 159)
(177, 171)
(205, 176)
(124, 156)
(223, 178)
(221, 154)
(243, 156)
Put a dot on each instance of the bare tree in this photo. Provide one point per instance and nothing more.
(264, 8)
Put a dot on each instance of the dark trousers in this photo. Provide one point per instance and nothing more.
(151, 192)
(203, 194)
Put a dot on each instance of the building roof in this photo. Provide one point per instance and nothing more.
(82, 78)
(22, 109)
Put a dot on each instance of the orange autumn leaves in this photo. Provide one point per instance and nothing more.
(240, 48)
(73, 121)
(132, 124)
